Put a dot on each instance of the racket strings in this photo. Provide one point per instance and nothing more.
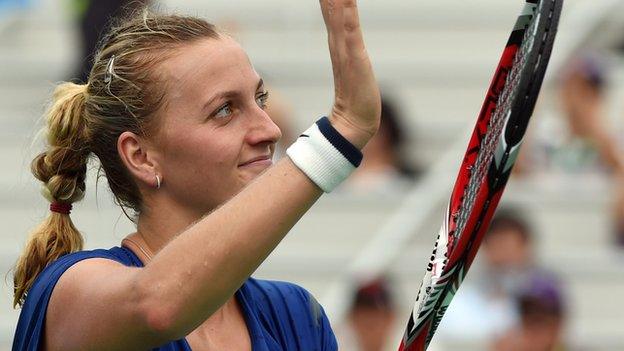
(479, 170)
(495, 127)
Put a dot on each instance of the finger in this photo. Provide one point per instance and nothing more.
(328, 8)
(351, 26)
(343, 24)
(333, 14)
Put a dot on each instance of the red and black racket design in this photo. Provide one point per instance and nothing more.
(486, 167)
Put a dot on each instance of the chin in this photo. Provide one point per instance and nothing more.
(252, 174)
(251, 178)
(246, 179)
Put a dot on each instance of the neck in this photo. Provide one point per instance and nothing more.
(155, 228)
(158, 225)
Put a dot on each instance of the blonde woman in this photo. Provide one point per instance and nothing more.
(174, 112)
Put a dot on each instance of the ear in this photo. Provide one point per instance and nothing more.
(138, 158)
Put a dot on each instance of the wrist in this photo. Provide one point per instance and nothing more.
(325, 155)
(358, 137)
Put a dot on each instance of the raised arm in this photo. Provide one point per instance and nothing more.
(99, 304)
(357, 106)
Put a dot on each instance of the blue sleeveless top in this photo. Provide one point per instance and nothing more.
(280, 316)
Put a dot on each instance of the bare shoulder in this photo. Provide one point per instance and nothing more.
(85, 275)
(85, 298)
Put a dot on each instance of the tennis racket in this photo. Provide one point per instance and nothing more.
(486, 167)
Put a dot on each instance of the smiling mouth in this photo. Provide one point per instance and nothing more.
(258, 161)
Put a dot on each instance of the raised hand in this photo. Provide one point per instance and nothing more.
(357, 106)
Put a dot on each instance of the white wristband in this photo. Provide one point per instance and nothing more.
(324, 155)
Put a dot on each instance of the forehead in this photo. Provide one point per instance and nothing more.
(206, 66)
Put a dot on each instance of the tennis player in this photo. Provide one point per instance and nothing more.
(174, 111)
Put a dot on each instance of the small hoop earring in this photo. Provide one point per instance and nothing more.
(157, 182)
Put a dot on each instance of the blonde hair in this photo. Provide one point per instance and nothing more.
(122, 94)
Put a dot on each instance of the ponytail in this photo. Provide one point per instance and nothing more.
(62, 168)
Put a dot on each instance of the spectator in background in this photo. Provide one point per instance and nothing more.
(586, 142)
(484, 308)
(581, 142)
(370, 319)
(583, 96)
(542, 312)
(94, 18)
(385, 168)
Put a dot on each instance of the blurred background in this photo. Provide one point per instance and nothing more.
(550, 274)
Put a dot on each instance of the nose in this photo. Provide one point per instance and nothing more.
(263, 129)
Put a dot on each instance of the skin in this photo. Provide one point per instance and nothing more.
(281, 113)
(213, 221)
(536, 333)
(220, 137)
(584, 109)
(372, 326)
(507, 249)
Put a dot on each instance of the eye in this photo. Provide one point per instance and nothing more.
(262, 99)
(223, 111)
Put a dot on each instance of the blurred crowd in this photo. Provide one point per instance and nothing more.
(510, 302)
(584, 140)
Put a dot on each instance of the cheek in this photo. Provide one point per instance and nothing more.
(196, 144)
(201, 157)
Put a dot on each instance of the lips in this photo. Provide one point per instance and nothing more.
(259, 158)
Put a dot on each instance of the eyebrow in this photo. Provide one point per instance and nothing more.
(228, 93)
